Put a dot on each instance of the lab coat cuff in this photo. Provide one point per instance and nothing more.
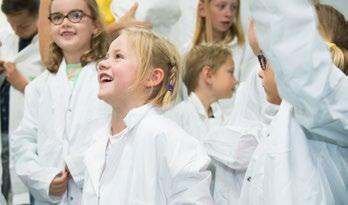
(76, 169)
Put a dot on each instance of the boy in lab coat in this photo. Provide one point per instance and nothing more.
(19, 63)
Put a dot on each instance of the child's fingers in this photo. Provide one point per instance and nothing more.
(133, 9)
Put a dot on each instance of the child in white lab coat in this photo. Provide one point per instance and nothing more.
(220, 21)
(139, 157)
(209, 78)
(303, 160)
(59, 104)
(19, 63)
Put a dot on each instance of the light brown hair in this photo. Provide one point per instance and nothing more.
(204, 30)
(334, 29)
(154, 51)
(207, 54)
(98, 44)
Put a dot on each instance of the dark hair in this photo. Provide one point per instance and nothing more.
(12, 7)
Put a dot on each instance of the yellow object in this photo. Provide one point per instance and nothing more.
(330, 45)
(104, 9)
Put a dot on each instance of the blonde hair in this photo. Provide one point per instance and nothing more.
(98, 44)
(204, 29)
(154, 51)
(334, 30)
(207, 54)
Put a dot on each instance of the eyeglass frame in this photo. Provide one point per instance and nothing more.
(262, 60)
(67, 16)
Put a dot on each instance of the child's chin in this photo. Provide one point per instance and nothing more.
(101, 95)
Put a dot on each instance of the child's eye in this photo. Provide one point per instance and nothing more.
(118, 56)
(221, 6)
(234, 7)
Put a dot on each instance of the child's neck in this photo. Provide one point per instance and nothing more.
(218, 36)
(72, 58)
(206, 100)
(117, 122)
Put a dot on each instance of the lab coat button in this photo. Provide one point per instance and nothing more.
(69, 109)
(249, 179)
(71, 198)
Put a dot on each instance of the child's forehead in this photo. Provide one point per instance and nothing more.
(64, 6)
(120, 43)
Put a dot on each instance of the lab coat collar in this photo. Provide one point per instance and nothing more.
(31, 52)
(135, 115)
(197, 103)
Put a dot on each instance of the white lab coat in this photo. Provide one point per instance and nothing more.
(191, 116)
(233, 144)
(55, 131)
(28, 62)
(153, 162)
(305, 159)
(163, 14)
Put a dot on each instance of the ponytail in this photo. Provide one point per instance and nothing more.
(334, 29)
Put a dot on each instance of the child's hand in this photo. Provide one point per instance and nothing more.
(59, 184)
(128, 19)
(14, 77)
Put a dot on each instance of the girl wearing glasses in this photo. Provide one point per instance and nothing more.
(303, 160)
(53, 135)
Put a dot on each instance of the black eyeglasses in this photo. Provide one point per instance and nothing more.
(262, 60)
(74, 16)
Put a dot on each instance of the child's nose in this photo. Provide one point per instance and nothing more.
(103, 65)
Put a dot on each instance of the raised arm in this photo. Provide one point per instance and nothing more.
(44, 29)
(305, 74)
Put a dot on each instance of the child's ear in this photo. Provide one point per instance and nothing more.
(155, 78)
(97, 28)
(207, 74)
(201, 9)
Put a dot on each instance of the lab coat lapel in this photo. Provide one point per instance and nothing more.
(60, 92)
(84, 84)
(95, 156)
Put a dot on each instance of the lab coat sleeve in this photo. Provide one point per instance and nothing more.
(232, 146)
(305, 75)
(24, 147)
(190, 178)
